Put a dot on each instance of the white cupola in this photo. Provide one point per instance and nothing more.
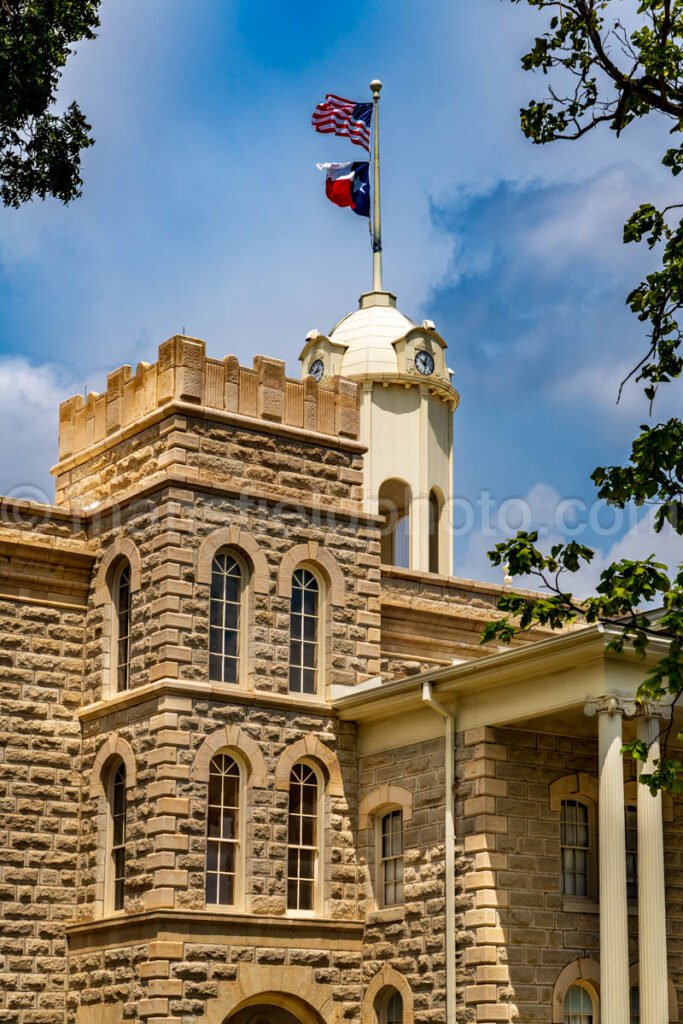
(407, 405)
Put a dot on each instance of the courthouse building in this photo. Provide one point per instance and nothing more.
(257, 767)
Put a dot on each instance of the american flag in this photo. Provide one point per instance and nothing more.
(337, 116)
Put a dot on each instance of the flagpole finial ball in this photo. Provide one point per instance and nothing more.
(376, 86)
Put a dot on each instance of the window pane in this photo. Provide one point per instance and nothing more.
(307, 831)
(225, 608)
(226, 894)
(308, 679)
(302, 854)
(575, 846)
(212, 849)
(118, 834)
(394, 1009)
(578, 1007)
(304, 626)
(122, 602)
(305, 895)
(222, 830)
(391, 857)
(309, 655)
(211, 888)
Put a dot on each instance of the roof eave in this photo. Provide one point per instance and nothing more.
(504, 667)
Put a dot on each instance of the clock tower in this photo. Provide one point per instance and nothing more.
(407, 407)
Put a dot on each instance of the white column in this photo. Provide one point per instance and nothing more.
(654, 994)
(614, 973)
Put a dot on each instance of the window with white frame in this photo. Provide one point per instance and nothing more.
(117, 846)
(223, 831)
(303, 833)
(578, 1006)
(122, 625)
(304, 642)
(226, 614)
(391, 858)
(575, 845)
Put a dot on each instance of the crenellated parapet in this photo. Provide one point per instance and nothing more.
(185, 375)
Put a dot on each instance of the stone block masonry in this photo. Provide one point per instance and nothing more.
(40, 691)
(407, 940)
(185, 380)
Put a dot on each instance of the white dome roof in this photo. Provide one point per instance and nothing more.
(369, 333)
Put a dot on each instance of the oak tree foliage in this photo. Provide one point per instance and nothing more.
(40, 145)
(611, 63)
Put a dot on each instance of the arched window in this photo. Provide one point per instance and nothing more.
(631, 852)
(222, 831)
(434, 524)
(226, 600)
(117, 846)
(304, 632)
(578, 1006)
(122, 608)
(575, 844)
(391, 858)
(390, 1007)
(303, 831)
(394, 506)
(635, 1005)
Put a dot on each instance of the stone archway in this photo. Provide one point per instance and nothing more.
(274, 1008)
(263, 1013)
(272, 987)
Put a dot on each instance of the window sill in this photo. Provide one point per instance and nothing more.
(386, 915)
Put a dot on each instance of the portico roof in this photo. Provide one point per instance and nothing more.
(548, 677)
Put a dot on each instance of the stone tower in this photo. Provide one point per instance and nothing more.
(407, 405)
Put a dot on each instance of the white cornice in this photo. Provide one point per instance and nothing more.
(508, 667)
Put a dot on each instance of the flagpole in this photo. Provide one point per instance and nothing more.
(376, 88)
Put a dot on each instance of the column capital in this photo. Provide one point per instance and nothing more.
(611, 704)
(655, 708)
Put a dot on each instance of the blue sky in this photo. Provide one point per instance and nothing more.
(203, 209)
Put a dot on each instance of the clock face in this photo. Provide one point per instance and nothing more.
(317, 369)
(424, 363)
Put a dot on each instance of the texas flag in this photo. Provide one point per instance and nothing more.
(349, 185)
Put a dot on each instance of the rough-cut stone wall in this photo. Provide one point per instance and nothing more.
(167, 729)
(241, 456)
(199, 970)
(41, 651)
(170, 621)
(166, 850)
(409, 938)
(430, 620)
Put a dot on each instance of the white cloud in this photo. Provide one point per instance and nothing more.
(639, 542)
(556, 520)
(29, 407)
